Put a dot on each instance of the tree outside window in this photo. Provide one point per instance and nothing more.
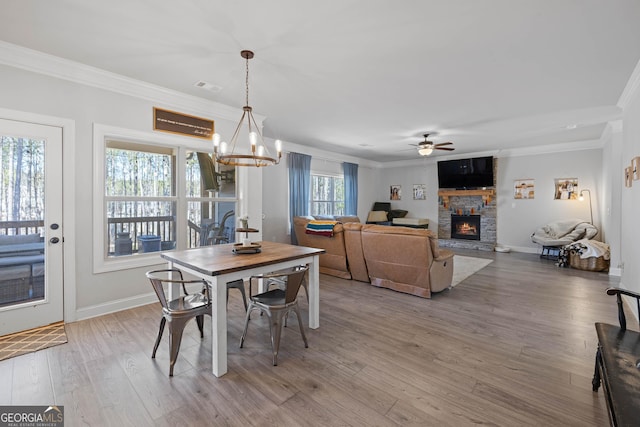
(327, 195)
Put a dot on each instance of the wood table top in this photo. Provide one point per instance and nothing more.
(220, 259)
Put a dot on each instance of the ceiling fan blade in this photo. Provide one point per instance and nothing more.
(443, 143)
(444, 148)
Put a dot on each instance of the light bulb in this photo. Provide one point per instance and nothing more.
(260, 150)
(223, 147)
(278, 145)
(216, 139)
(253, 138)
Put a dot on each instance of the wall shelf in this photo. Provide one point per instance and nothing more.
(486, 195)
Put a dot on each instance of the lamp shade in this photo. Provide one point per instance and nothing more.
(425, 151)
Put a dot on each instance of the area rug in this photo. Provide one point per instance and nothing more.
(465, 266)
(32, 340)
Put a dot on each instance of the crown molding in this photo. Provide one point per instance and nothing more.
(511, 152)
(591, 144)
(53, 66)
(631, 88)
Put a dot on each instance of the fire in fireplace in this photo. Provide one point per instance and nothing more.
(465, 227)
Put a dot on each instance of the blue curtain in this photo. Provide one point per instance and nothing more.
(350, 188)
(299, 188)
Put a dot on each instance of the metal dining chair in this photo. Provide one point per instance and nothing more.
(178, 311)
(281, 281)
(277, 304)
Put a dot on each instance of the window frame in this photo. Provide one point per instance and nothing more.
(102, 134)
(333, 202)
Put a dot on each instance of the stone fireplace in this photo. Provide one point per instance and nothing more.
(465, 227)
(467, 219)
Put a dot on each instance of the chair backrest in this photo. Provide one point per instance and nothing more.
(161, 278)
(222, 225)
(294, 281)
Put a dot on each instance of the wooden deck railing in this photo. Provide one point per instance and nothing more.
(22, 227)
(163, 226)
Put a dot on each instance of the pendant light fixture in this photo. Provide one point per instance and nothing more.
(256, 153)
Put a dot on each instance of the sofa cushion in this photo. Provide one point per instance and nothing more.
(21, 260)
(19, 239)
(334, 260)
(377, 216)
(347, 218)
(355, 254)
(398, 258)
(15, 272)
(397, 213)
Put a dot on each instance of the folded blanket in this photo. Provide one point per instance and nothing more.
(590, 248)
(321, 228)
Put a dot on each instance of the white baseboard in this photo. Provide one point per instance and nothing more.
(114, 306)
(525, 249)
(615, 272)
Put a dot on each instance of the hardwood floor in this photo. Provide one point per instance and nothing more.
(513, 344)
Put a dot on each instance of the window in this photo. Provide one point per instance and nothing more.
(140, 198)
(327, 195)
(155, 195)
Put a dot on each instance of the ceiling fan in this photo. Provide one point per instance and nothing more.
(426, 147)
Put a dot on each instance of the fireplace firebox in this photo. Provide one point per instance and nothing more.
(465, 227)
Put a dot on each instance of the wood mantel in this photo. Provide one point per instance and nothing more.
(485, 194)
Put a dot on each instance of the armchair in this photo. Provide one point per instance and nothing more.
(556, 234)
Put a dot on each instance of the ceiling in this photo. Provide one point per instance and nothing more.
(366, 77)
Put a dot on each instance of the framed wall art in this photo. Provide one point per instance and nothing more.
(419, 192)
(628, 176)
(395, 192)
(523, 189)
(566, 189)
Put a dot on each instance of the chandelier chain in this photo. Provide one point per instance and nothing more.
(247, 81)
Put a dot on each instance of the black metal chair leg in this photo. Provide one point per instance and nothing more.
(596, 374)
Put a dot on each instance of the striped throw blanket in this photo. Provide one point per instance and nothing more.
(321, 228)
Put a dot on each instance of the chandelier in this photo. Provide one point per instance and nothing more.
(257, 153)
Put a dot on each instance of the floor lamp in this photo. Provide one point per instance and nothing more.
(581, 198)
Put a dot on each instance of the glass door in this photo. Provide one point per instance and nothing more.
(31, 279)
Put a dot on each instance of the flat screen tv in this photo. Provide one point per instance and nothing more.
(466, 173)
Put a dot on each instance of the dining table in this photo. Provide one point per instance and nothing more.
(221, 264)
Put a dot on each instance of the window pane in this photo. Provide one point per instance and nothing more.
(210, 223)
(138, 173)
(339, 188)
(21, 180)
(140, 226)
(327, 195)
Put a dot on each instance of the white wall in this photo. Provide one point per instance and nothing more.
(630, 197)
(275, 224)
(612, 184)
(425, 172)
(518, 219)
(85, 105)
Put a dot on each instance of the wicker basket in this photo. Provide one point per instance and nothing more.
(589, 264)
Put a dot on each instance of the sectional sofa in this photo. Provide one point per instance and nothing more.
(403, 259)
(21, 267)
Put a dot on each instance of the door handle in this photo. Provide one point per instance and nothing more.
(54, 240)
